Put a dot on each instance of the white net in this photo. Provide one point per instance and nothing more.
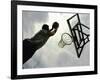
(66, 39)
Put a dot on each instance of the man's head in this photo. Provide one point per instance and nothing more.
(45, 27)
(55, 25)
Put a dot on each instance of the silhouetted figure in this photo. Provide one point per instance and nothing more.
(37, 41)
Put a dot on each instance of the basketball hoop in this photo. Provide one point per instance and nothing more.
(66, 39)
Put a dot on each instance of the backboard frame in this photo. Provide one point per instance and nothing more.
(78, 27)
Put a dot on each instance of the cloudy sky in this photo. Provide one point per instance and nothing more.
(51, 55)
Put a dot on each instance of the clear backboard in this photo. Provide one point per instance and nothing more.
(79, 33)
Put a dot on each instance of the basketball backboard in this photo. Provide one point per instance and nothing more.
(79, 33)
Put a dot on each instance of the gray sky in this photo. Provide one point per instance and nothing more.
(29, 20)
(51, 55)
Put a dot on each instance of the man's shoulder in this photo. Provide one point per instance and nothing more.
(27, 42)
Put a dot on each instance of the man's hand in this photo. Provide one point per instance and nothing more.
(54, 29)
